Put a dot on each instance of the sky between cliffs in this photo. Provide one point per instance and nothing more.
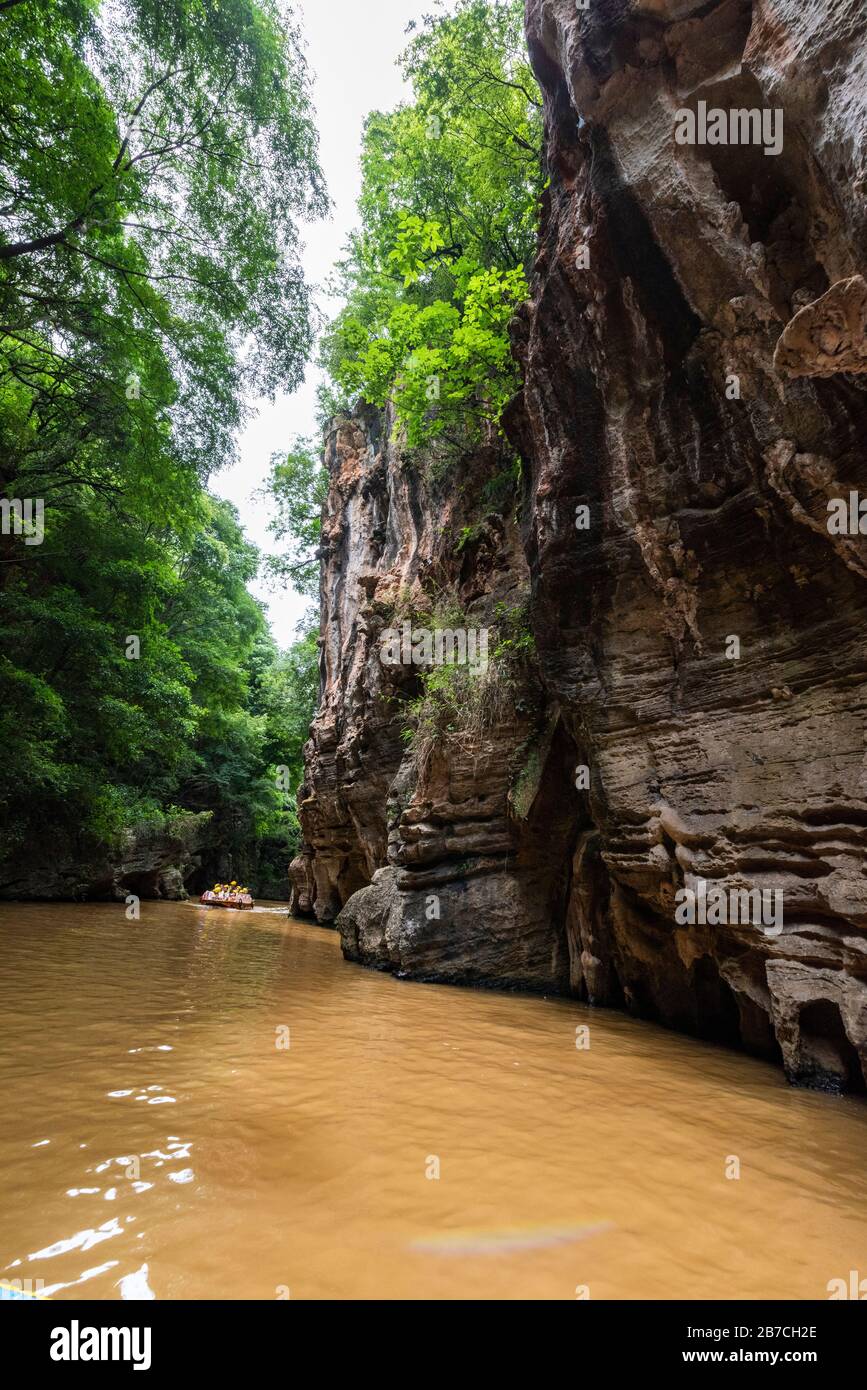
(352, 49)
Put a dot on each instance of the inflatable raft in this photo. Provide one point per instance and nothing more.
(227, 895)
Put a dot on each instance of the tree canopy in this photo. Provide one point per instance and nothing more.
(157, 158)
(451, 186)
(296, 487)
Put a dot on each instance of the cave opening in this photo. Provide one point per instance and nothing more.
(717, 1012)
(827, 1059)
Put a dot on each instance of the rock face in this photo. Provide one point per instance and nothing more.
(696, 320)
(151, 863)
(475, 885)
(829, 335)
(692, 423)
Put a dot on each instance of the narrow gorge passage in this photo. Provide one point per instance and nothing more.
(433, 677)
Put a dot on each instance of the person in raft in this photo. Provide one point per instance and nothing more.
(227, 891)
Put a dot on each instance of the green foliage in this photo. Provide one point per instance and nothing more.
(155, 159)
(448, 215)
(468, 535)
(155, 156)
(296, 488)
(199, 721)
(460, 703)
(500, 489)
(285, 693)
(515, 642)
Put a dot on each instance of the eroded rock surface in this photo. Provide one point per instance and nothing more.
(150, 862)
(702, 644)
(477, 863)
(829, 335)
(653, 397)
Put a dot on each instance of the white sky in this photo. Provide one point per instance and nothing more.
(352, 46)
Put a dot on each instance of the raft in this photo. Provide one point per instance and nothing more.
(242, 902)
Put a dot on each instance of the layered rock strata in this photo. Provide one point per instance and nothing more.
(473, 877)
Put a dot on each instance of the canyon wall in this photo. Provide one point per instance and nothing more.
(694, 409)
(466, 866)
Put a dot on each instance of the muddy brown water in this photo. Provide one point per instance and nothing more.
(205, 1104)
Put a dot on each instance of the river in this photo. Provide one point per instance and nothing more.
(207, 1104)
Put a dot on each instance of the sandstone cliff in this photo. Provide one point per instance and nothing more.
(693, 354)
(467, 886)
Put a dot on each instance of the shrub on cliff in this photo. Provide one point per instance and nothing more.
(459, 700)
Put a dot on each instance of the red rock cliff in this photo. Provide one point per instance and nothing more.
(694, 405)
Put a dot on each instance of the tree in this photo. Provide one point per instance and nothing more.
(155, 159)
(448, 215)
(296, 488)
